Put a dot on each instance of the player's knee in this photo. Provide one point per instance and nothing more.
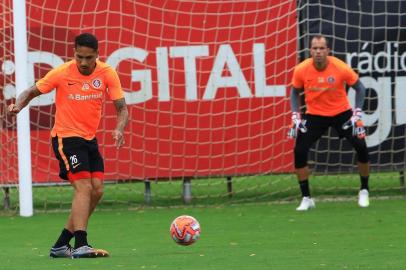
(98, 192)
(300, 163)
(362, 154)
(300, 157)
(83, 186)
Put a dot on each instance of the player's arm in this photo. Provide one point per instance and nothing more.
(23, 99)
(355, 121)
(295, 99)
(359, 94)
(122, 120)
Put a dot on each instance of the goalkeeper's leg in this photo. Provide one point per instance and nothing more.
(363, 168)
(316, 126)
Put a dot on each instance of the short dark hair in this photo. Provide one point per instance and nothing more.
(87, 40)
(319, 36)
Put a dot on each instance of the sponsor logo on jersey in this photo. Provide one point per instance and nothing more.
(85, 86)
(80, 97)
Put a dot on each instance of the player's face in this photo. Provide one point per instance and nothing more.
(319, 51)
(85, 59)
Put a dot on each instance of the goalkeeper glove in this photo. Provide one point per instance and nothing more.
(297, 125)
(355, 122)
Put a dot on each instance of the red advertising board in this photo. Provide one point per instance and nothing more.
(205, 83)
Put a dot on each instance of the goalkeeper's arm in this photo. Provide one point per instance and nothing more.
(294, 99)
(355, 121)
(359, 94)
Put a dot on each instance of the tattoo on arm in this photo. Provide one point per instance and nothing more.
(26, 96)
(122, 114)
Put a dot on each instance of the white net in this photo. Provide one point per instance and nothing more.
(8, 145)
(206, 84)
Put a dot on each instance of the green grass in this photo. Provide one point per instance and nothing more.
(336, 235)
(256, 228)
(249, 189)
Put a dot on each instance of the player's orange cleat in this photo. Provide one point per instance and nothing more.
(89, 252)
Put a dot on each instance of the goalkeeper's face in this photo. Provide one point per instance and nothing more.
(85, 59)
(319, 51)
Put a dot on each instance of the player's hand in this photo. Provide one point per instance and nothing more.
(297, 125)
(359, 130)
(118, 136)
(13, 109)
(355, 122)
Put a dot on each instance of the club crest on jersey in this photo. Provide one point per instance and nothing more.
(85, 86)
(330, 79)
(97, 83)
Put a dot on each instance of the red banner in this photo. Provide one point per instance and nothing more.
(205, 84)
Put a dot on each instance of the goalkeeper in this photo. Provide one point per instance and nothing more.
(81, 85)
(323, 78)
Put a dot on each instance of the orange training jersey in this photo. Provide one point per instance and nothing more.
(324, 90)
(79, 98)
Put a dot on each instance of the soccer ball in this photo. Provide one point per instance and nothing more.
(185, 230)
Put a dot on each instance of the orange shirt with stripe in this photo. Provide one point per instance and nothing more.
(324, 90)
(79, 97)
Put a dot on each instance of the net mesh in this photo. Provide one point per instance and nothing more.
(206, 84)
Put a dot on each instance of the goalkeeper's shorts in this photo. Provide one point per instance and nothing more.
(316, 126)
(78, 158)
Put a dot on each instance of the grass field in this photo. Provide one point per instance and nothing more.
(256, 228)
(336, 235)
(249, 189)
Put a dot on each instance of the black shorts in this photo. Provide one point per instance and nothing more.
(78, 158)
(317, 126)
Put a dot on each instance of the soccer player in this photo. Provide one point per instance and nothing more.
(81, 85)
(323, 79)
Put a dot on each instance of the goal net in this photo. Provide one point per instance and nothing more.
(207, 85)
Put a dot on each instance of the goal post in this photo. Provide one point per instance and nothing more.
(23, 118)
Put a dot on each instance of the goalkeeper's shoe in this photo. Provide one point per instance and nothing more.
(363, 198)
(61, 252)
(88, 252)
(307, 203)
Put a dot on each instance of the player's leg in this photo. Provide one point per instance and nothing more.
(80, 210)
(86, 251)
(316, 126)
(361, 148)
(74, 164)
(85, 201)
(97, 194)
(363, 169)
(97, 173)
(96, 168)
(62, 248)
